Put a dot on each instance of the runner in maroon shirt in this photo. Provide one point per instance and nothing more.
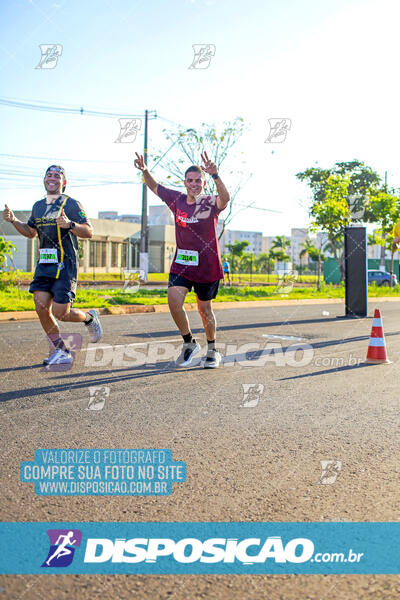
(197, 260)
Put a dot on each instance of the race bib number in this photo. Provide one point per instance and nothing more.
(48, 255)
(187, 257)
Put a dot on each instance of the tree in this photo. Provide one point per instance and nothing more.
(363, 182)
(340, 195)
(189, 143)
(247, 262)
(279, 255)
(328, 246)
(383, 209)
(308, 248)
(372, 239)
(278, 248)
(265, 262)
(6, 250)
(237, 251)
(80, 250)
(280, 243)
(390, 241)
(332, 214)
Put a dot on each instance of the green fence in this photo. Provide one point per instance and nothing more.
(331, 271)
(373, 263)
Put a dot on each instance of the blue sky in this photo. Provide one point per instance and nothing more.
(329, 67)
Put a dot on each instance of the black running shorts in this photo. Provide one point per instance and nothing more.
(62, 290)
(204, 291)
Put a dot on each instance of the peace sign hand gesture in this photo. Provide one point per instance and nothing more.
(139, 162)
(209, 166)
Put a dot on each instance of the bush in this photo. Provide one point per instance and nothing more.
(9, 279)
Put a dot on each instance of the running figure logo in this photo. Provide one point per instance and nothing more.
(132, 280)
(50, 54)
(286, 281)
(98, 395)
(62, 542)
(278, 129)
(330, 471)
(203, 54)
(251, 394)
(128, 130)
(356, 207)
(73, 341)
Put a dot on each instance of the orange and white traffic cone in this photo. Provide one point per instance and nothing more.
(377, 347)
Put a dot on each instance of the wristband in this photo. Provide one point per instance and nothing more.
(72, 225)
(215, 176)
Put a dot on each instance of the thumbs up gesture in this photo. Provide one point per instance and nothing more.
(8, 214)
(63, 221)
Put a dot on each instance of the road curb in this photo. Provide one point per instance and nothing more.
(129, 309)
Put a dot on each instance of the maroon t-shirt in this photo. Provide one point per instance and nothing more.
(197, 256)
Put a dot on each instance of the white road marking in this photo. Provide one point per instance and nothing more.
(284, 337)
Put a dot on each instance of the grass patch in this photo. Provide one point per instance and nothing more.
(244, 277)
(14, 299)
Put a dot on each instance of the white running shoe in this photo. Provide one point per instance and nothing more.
(187, 353)
(60, 357)
(95, 329)
(213, 359)
(52, 351)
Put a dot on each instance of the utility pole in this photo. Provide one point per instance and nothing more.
(382, 262)
(144, 234)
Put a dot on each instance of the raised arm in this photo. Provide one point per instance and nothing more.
(22, 228)
(223, 194)
(148, 179)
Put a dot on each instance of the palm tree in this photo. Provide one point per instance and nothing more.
(279, 255)
(264, 260)
(237, 250)
(308, 248)
(247, 263)
(280, 243)
(314, 253)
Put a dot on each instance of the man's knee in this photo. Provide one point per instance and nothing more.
(42, 307)
(205, 310)
(176, 299)
(175, 305)
(61, 311)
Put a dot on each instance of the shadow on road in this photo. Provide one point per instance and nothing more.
(235, 327)
(138, 371)
(327, 371)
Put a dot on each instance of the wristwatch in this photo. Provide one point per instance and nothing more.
(72, 225)
(215, 176)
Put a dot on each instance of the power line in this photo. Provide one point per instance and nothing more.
(65, 159)
(42, 106)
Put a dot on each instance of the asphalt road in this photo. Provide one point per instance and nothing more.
(253, 457)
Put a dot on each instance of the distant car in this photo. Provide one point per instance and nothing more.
(381, 278)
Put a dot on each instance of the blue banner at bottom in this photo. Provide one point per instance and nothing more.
(200, 548)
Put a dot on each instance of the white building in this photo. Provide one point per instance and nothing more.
(160, 215)
(267, 242)
(253, 237)
(112, 215)
(108, 214)
(297, 239)
(320, 240)
(221, 238)
(130, 218)
(113, 248)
